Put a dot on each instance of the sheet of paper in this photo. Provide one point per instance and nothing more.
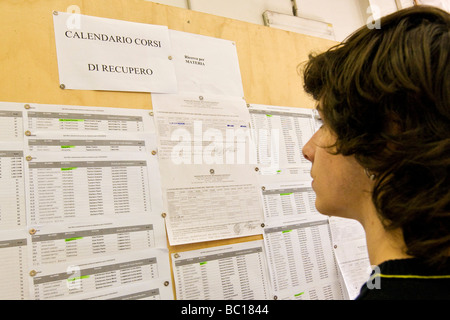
(210, 191)
(11, 122)
(289, 201)
(91, 142)
(68, 120)
(232, 272)
(79, 187)
(350, 249)
(203, 129)
(94, 195)
(51, 244)
(13, 237)
(12, 188)
(301, 261)
(13, 266)
(104, 54)
(144, 290)
(71, 281)
(280, 134)
(206, 64)
(65, 187)
(210, 202)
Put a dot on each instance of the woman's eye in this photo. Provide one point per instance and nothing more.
(319, 123)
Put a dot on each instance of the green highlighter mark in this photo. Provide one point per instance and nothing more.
(299, 294)
(203, 263)
(285, 194)
(67, 169)
(70, 120)
(72, 239)
(286, 231)
(77, 278)
(66, 147)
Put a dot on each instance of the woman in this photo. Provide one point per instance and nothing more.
(382, 156)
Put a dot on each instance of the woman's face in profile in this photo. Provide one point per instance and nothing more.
(342, 188)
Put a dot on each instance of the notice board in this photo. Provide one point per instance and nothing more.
(268, 61)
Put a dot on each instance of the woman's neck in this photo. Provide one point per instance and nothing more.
(382, 244)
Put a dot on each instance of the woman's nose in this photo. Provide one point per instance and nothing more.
(308, 150)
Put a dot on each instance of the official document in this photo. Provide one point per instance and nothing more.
(280, 134)
(206, 64)
(11, 122)
(289, 201)
(350, 248)
(91, 142)
(145, 290)
(232, 272)
(68, 187)
(209, 182)
(13, 267)
(71, 281)
(211, 202)
(53, 244)
(12, 188)
(203, 129)
(80, 186)
(301, 261)
(13, 237)
(41, 118)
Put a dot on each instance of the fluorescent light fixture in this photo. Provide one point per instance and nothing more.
(401, 4)
(298, 24)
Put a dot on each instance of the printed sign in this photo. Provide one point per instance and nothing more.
(105, 54)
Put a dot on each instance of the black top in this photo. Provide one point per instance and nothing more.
(407, 279)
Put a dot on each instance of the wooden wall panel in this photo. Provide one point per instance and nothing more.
(29, 72)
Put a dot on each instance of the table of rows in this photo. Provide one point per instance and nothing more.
(63, 191)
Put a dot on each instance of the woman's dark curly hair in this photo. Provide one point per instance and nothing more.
(385, 94)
